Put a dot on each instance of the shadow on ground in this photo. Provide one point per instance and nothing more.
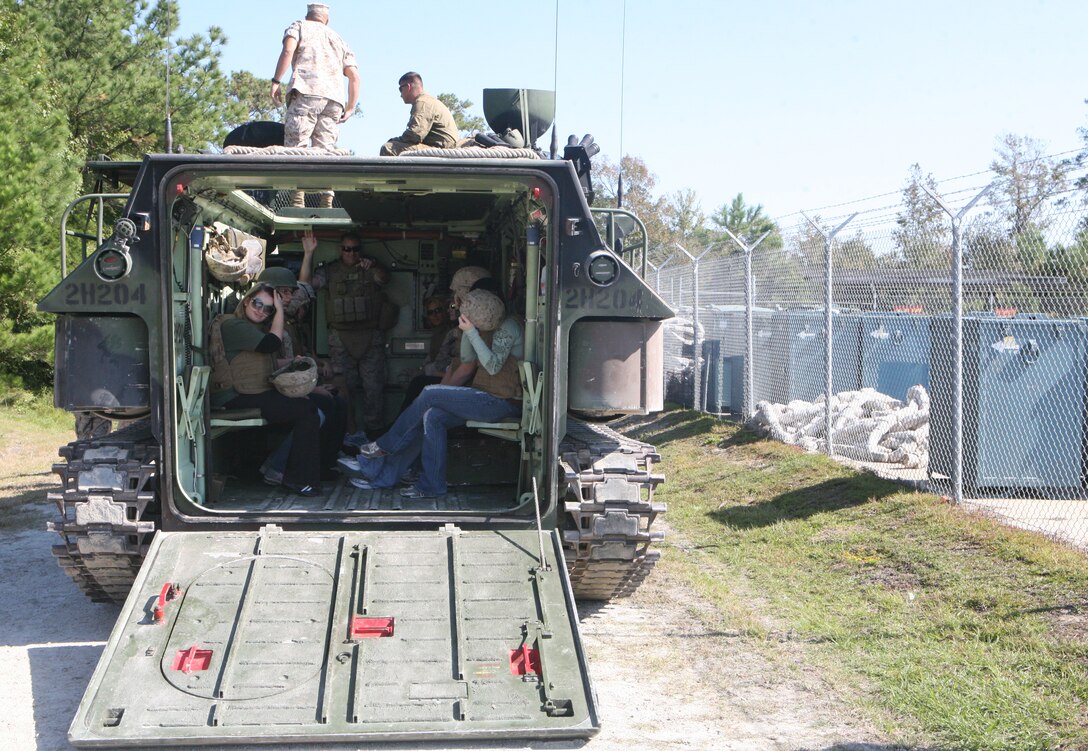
(870, 747)
(663, 427)
(827, 496)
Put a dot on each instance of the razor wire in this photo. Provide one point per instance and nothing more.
(958, 341)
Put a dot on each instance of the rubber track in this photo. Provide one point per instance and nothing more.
(609, 510)
(108, 510)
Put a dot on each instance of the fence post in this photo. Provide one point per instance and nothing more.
(828, 334)
(749, 302)
(749, 408)
(699, 395)
(657, 273)
(957, 339)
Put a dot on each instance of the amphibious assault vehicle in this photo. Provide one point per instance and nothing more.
(250, 614)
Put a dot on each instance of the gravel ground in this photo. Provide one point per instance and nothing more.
(664, 681)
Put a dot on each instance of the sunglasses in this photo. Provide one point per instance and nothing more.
(351, 249)
(260, 306)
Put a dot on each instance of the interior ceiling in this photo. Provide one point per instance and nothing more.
(407, 209)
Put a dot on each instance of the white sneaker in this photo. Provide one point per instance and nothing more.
(372, 450)
(361, 484)
(349, 465)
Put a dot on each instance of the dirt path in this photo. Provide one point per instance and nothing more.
(663, 680)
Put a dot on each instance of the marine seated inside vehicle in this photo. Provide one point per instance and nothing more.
(491, 346)
(243, 348)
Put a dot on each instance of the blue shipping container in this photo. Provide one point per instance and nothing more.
(1023, 406)
(894, 352)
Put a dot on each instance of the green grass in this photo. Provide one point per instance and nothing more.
(942, 626)
(31, 431)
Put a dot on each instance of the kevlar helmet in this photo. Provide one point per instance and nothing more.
(296, 378)
(484, 309)
(278, 276)
(465, 277)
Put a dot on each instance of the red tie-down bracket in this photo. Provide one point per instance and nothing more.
(524, 661)
(371, 628)
(169, 593)
(192, 659)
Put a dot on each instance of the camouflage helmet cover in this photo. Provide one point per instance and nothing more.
(297, 378)
(465, 277)
(484, 309)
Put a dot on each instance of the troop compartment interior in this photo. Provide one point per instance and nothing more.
(421, 226)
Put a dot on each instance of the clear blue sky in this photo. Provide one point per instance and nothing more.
(799, 105)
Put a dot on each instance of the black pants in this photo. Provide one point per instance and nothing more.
(332, 432)
(304, 462)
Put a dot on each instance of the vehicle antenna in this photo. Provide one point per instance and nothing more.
(623, 59)
(555, 82)
(169, 126)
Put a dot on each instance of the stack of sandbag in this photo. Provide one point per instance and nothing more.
(866, 425)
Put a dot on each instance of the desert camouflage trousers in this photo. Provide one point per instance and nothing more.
(360, 357)
(312, 121)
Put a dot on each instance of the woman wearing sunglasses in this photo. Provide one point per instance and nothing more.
(441, 320)
(243, 348)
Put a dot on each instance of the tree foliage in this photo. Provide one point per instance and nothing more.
(922, 234)
(84, 78)
(40, 176)
(1081, 159)
(638, 198)
(252, 99)
(1026, 180)
(109, 61)
(467, 123)
(747, 223)
(686, 222)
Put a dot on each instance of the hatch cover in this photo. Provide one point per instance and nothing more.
(298, 636)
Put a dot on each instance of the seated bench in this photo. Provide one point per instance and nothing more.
(224, 420)
(191, 412)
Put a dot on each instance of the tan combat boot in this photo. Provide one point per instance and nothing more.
(298, 200)
(326, 199)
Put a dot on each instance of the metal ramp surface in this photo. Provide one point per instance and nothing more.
(330, 636)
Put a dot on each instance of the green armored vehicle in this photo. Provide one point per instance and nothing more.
(251, 614)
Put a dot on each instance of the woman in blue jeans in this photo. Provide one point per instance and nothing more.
(491, 347)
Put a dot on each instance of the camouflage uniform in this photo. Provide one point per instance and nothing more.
(430, 125)
(315, 98)
(356, 349)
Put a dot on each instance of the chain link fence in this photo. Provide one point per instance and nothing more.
(957, 359)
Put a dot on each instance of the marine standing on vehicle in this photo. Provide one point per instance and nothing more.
(318, 57)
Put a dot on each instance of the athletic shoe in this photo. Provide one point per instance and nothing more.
(352, 442)
(362, 484)
(372, 450)
(349, 466)
(415, 494)
(306, 491)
